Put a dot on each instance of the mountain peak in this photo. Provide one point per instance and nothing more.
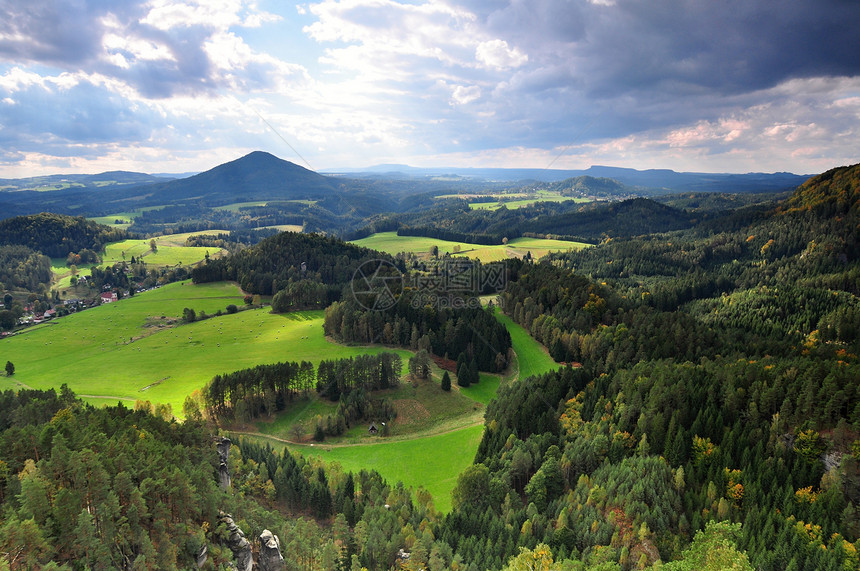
(256, 176)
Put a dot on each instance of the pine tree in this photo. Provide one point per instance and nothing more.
(446, 381)
(463, 375)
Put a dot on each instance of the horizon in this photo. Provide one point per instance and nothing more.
(177, 87)
(372, 169)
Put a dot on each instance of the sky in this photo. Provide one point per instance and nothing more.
(166, 86)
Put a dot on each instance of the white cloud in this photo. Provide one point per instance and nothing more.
(465, 94)
(496, 54)
(217, 14)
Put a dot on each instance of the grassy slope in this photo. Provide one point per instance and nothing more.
(171, 251)
(431, 462)
(391, 243)
(91, 351)
(532, 357)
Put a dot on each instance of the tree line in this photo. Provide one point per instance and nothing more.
(56, 235)
(274, 263)
(443, 331)
(266, 389)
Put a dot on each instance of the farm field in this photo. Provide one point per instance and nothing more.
(126, 350)
(514, 204)
(515, 200)
(126, 217)
(171, 251)
(391, 243)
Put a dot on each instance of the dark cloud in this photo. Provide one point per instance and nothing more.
(629, 66)
(71, 36)
(730, 46)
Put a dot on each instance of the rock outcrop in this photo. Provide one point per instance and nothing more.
(237, 543)
(223, 447)
(270, 552)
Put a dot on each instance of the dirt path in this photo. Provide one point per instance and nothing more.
(105, 397)
(403, 438)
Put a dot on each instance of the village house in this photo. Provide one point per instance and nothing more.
(108, 297)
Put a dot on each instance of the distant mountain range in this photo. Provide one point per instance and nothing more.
(80, 181)
(654, 181)
(260, 176)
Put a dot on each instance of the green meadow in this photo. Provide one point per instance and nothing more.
(520, 203)
(430, 462)
(129, 350)
(514, 200)
(170, 251)
(126, 217)
(532, 357)
(391, 243)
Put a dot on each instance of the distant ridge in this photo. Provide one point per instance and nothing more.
(101, 181)
(653, 181)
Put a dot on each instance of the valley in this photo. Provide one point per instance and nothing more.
(669, 373)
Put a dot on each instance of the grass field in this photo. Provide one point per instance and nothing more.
(520, 203)
(129, 351)
(171, 250)
(431, 462)
(391, 243)
(532, 357)
(126, 217)
(515, 200)
(284, 227)
(435, 451)
(422, 408)
(125, 350)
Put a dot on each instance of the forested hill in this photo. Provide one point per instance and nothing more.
(290, 257)
(719, 382)
(586, 222)
(632, 217)
(256, 176)
(592, 186)
(837, 191)
(57, 235)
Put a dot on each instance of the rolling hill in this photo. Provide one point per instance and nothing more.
(836, 190)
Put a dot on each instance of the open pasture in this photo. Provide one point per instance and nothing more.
(430, 462)
(513, 200)
(391, 243)
(129, 350)
(126, 218)
(171, 251)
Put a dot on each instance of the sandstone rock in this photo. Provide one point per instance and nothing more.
(237, 543)
(223, 447)
(270, 552)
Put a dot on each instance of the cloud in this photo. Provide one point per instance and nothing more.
(161, 47)
(670, 82)
(497, 54)
(463, 94)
